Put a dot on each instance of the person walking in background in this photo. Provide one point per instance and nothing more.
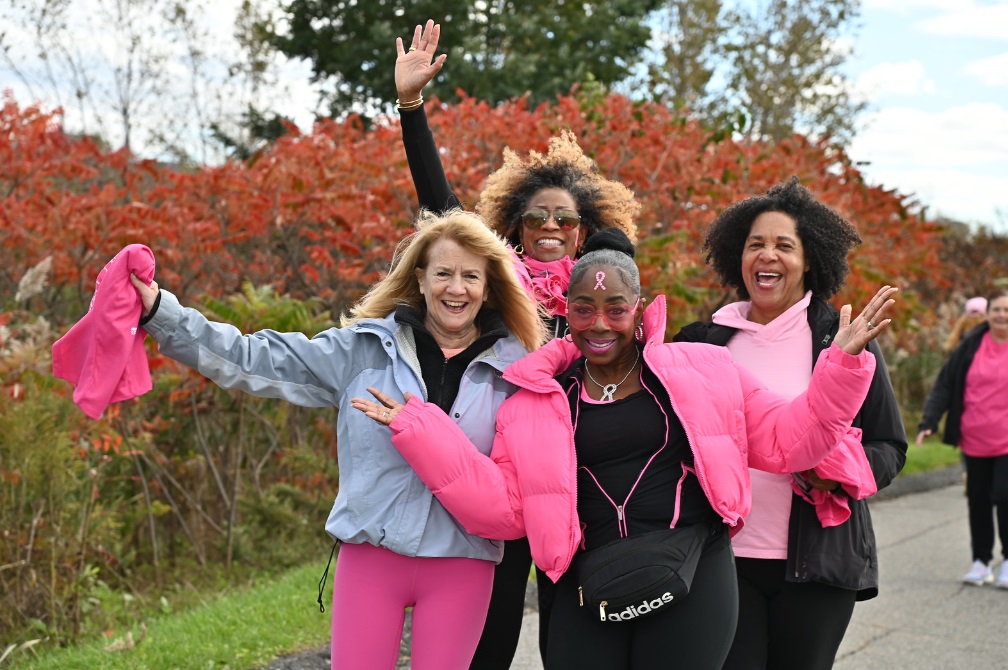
(442, 325)
(974, 313)
(971, 391)
(807, 552)
(614, 434)
(545, 206)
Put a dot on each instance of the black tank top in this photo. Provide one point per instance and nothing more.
(614, 442)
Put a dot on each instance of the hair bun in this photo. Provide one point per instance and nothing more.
(609, 238)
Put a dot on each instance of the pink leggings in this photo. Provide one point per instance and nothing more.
(372, 587)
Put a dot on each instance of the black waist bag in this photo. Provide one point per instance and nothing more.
(635, 576)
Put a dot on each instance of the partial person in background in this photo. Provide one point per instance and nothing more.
(545, 206)
(972, 389)
(807, 552)
(974, 313)
(613, 435)
(443, 325)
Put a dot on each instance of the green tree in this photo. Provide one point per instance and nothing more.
(776, 64)
(685, 37)
(784, 67)
(497, 49)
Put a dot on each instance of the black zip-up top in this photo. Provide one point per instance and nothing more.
(441, 376)
(845, 556)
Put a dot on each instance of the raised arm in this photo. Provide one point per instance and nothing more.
(414, 69)
(267, 364)
(800, 436)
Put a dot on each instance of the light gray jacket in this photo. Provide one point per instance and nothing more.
(381, 500)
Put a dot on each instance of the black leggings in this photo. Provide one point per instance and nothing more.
(694, 634)
(502, 629)
(786, 625)
(987, 488)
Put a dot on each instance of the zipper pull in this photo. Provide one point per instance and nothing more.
(601, 609)
(580, 597)
(619, 513)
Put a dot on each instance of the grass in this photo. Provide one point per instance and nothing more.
(931, 455)
(236, 631)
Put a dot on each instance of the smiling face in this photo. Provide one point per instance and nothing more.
(773, 266)
(454, 287)
(550, 242)
(997, 318)
(603, 345)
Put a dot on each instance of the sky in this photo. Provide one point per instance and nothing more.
(934, 74)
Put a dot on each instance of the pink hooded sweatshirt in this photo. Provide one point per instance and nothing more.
(103, 354)
(528, 484)
(772, 347)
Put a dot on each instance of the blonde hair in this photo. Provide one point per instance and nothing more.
(965, 324)
(401, 287)
(602, 203)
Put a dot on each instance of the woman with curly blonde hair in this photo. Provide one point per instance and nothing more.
(545, 206)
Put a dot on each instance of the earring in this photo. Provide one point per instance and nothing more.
(639, 333)
(519, 249)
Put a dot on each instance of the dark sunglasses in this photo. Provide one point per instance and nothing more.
(581, 316)
(565, 219)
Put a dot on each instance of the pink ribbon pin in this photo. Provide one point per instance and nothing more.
(599, 278)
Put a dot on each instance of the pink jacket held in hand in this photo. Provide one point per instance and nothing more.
(103, 354)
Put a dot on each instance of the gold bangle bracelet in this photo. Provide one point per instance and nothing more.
(409, 105)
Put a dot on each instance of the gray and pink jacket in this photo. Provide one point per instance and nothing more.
(528, 484)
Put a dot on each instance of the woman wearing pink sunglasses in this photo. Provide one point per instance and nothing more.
(545, 206)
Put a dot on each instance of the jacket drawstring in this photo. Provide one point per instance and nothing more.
(325, 575)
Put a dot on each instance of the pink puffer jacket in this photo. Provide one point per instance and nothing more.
(528, 485)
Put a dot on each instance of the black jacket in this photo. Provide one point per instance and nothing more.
(846, 555)
(947, 393)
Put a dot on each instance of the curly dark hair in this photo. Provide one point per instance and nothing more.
(826, 238)
(602, 203)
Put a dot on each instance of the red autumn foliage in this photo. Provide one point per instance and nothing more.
(318, 214)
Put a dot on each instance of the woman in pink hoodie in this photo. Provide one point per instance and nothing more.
(807, 553)
(613, 433)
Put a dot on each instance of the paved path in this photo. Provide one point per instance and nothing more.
(923, 619)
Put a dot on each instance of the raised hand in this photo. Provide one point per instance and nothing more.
(416, 67)
(854, 335)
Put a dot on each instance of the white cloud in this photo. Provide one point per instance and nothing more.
(991, 71)
(969, 21)
(904, 78)
(908, 6)
(952, 160)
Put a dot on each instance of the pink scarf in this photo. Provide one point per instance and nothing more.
(549, 282)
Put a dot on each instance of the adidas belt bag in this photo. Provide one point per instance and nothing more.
(635, 576)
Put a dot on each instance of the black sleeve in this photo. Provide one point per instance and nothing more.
(429, 180)
(940, 397)
(883, 435)
(152, 312)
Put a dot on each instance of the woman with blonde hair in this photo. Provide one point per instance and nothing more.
(444, 323)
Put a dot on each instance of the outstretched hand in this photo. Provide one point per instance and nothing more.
(383, 411)
(854, 335)
(148, 294)
(416, 67)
